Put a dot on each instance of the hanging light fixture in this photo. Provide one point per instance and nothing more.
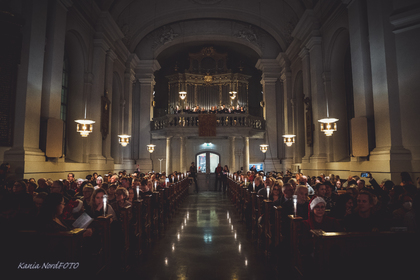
(151, 148)
(263, 148)
(84, 127)
(289, 139)
(232, 92)
(328, 125)
(124, 139)
(182, 91)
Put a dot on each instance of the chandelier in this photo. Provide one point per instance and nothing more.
(151, 148)
(124, 139)
(289, 139)
(264, 148)
(84, 127)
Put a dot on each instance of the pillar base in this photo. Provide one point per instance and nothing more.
(145, 164)
(23, 160)
(272, 164)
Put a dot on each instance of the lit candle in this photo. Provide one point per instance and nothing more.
(155, 185)
(173, 179)
(166, 182)
(253, 185)
(182, 175)
(268, 193)
(295, 204)
(245, 181)
(138, 191)
(178, 177)
(104, 200)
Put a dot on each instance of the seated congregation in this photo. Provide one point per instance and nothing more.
(328, 227)
(99, 223)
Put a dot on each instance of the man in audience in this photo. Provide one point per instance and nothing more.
(303, 180)
(364, 218)
(71, 184)
(42, 186)
(288, 191)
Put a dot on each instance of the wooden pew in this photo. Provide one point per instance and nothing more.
(155, 214)
(295, 235)
(268, 232)
(147, 219)
(260, 225)
(254, 214)
(137, 224)
(368, 254)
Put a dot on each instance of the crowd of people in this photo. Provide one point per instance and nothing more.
(222, 109)
(355, 204)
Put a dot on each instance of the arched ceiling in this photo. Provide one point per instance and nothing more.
(139, 18)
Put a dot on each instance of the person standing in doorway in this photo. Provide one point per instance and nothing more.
(218, 172)
(193, 171)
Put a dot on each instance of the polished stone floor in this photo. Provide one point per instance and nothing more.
(205, 240)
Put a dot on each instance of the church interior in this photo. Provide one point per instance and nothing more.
(320, 89)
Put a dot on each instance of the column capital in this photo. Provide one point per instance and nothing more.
(304, 52)
(284, 61)
(271, 70)
(99, 42)
(313, 41)
(145, 70)
(285, 75)
(111, 54)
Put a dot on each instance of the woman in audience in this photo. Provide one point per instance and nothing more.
(275, 194)
(96, 205)
(50, 212)
(87, 193)
(317, 218)
(130, 194)
(99, 182)
(406, 203)
(345, 206)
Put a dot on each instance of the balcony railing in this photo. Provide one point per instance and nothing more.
(223, 120)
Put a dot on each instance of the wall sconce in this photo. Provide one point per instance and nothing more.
(182, 95)
(124, 139)
(151, 148)
(289, 139)
(84, 127)
(264, 148)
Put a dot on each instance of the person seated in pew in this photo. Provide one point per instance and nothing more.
(288, 191)
(364, 219)
(121, 201)
(288, 207)
(51, 210)
(317, 218)
(87, 193)
(275, 194)
(96, 206)
(144, 188)
(269, 183)
(259, 184)
(345, 206)
(130, 194)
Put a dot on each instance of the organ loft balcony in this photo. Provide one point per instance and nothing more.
(206, 99)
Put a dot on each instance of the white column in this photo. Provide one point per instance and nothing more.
(306, 77)
(109, 72)
(386, 97)
(246, 154)
(53, 67)
(182, 167)
(25, 150)
(129, 78)
(271, 73)
(232, 163)
(96, 157)
(318, 98)
(144, 74)
(168, 155)
(286, 78)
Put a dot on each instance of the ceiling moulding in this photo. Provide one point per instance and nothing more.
(307, 26)
(405, 21)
